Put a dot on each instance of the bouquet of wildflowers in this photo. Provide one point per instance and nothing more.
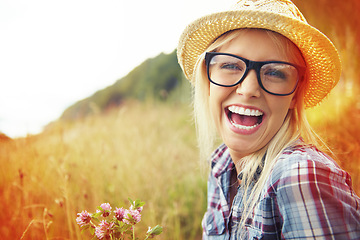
(118, 226)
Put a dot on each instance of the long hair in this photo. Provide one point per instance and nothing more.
(295, 124)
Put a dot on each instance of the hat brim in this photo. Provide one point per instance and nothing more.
(320, 55)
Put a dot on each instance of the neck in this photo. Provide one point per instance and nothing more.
(237, 160)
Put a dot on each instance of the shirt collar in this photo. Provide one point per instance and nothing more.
(221, 162)
(256, 174)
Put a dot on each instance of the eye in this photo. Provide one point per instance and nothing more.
(227, 64)
(274, 73)
(278, 72)
(231, 66)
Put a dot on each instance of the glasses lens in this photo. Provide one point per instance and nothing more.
(279, 78)
(226, 70)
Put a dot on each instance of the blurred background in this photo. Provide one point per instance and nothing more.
(94, 108)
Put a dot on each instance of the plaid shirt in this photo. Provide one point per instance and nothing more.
(307, 196)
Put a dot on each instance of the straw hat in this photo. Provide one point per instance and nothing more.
(282, 16)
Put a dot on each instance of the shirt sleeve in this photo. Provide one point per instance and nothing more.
(315, 200)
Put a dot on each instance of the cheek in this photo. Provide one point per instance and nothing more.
(281, 107)
(214, 107)
(217, 95)
(214, 100)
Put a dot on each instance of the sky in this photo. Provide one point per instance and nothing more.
(54, 53)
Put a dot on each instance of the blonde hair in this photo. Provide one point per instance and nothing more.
(295, 123)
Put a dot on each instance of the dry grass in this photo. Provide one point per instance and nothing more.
(145, 152)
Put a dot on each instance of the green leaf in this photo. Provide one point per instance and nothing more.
(92, 230)
(96, 215)
(156, 230)
(130, 217)
(137, 203)
(84, 228)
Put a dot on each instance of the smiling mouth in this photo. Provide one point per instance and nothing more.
(244, 118)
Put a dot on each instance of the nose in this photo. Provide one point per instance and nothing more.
(249, 87)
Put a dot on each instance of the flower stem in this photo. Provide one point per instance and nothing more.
(133, 232)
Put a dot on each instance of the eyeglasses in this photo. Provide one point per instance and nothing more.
(275, 77)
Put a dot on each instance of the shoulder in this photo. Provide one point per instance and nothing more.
(313, 193)
(302, 153)
(304, 161)
(304, 171)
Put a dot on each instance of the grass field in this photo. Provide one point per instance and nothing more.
(135, 151)
(140, 151)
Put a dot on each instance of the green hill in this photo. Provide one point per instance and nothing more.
(156, 79)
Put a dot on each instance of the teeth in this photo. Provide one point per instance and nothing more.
(244, 127)
(245, 111)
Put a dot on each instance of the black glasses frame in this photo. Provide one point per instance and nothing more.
(252, 65)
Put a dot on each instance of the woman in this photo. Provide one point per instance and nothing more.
(255, 69)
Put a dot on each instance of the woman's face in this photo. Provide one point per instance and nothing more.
(231, 107)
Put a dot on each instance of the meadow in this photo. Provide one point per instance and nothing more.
(138, 151)
(143, 151)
